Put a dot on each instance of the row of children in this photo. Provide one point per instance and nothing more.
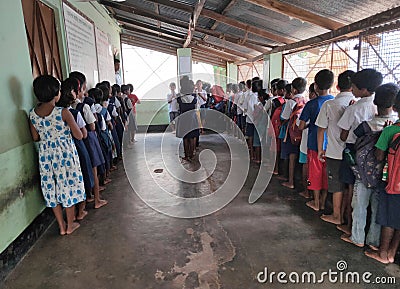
(80, 141)
(343, 143)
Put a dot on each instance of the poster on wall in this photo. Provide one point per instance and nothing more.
(105, 58)
(81, 45)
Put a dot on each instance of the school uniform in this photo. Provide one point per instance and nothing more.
(389, 204)
(317, 174)
(328, 118)
(363, 110)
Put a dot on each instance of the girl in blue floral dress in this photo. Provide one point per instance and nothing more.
(60, 171)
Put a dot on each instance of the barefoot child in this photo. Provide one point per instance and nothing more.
(317, 175)
(328, 117)
(60, 170)
(69, 92)
(292, 110)
(91, 142)
(364, 84)
(389, 204)
(303, 149)
(367, 188)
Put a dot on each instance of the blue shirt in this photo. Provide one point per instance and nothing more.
(310, 113)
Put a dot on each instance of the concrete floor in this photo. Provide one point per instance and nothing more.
(129, 245)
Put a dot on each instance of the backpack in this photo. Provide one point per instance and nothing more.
(393, 186)
(367, 168)
(293, 130)
(277, 104)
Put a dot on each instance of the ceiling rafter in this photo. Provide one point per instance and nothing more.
(229, 21)
(343, 32)
(251, 44)
(139, 42)
(298, 13)
(193, 21)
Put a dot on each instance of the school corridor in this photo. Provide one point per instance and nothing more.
(129, 245)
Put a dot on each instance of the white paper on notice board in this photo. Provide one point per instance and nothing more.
(184, 64)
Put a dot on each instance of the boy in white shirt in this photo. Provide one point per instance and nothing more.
(364, 84)
(327, 121)
(172, 104)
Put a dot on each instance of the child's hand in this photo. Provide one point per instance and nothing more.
(388, 123)
(321, 156)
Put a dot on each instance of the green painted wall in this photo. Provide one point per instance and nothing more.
(20, 197)
(152, 112)
(232, 72)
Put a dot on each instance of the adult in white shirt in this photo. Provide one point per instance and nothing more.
(173, 108)
(117, 66)
(201, 100)
(327, 121)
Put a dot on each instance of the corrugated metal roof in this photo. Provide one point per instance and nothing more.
(274, 22)
(348, 11)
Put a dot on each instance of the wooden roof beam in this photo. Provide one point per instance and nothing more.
(298, 13)
(226, 20)
(251, 44)
(222, 49)
(358, 26)
(193, 21)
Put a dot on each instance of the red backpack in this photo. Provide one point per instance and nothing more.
(277, 105)
(293, 130)
(393, 186)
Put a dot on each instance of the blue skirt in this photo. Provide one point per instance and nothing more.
(94, 149)
(86, 165)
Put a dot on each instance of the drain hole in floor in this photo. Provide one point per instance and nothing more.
(158, 171)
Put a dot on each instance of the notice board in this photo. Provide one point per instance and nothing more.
(81, 44)
(105, 58)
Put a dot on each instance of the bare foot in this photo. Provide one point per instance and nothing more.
(72, 228)
(90, 200)
(331, 219)
(305, 194)
(100, 204)
(373, 248)
(81, 216)
(346, 238)
(344, 228)
(288, 185)
(281, 178)
(107, 181)
(391, 254)
(375, 255)
(101, 188)
(113, 168)
(311, 204)
(63, 230)
(275, 173)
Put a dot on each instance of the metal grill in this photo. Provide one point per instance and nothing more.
(250, 70)
(381, 52)
(337, 56)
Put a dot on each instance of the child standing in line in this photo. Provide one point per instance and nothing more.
(294, 104)
(91, 142)
(69, 92)
(389, 204)
(331, 112)
(303, 149)
(60, 170)
(364, 84)
(317, 175)
(366, 190)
